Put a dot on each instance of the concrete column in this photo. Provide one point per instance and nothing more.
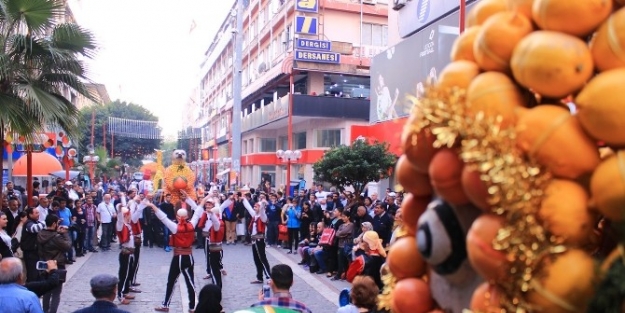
(315, 83)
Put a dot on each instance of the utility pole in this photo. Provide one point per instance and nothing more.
(236, 91)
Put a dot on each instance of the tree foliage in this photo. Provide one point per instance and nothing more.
(129, 150)
(41, 61)
(359, 163)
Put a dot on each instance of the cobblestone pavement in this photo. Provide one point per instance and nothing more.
(316, 291)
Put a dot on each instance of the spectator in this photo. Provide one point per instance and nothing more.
(89, 210)
(371, 246)
(15, 298)
(345, 240)
(280, 283)
(104, 290)
(28, 243)
(105, 213)
(382, 223)
(363, 295)
(209, 300)
(44, 209)
(12, 213)
(50, 280)
(53, 242)
(5, 238)
(291, 218)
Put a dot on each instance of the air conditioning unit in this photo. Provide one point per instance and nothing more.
(398, 4)
(262, 67)
(284, 37)
(370, 2)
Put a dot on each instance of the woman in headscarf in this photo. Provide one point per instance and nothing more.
(372, 247)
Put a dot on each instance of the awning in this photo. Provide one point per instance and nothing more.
(226, 171)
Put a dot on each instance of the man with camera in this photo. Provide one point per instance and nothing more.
(53, 242)
(280, 295)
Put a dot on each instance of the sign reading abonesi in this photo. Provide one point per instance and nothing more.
(310, 44)
(317, 56)
(311, 6)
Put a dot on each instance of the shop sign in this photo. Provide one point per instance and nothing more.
(309, 44)
(317, 56)
(310, 6)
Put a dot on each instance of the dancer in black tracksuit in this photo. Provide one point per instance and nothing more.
(126, 255)
(257, 231)
(182, 238)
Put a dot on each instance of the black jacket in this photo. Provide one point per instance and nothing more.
(238, 211)
(13, 221)
(29, 235)
(383, 225)
(41, 287)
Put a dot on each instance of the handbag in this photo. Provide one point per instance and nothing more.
(283, 233)
(327, 237)
(240, 229)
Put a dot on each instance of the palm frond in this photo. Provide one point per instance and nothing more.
(35, 16)
(73, 38)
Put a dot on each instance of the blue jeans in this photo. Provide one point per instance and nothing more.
(166, 232)
(89, 238)
(107, 230)
(72, 237)
(320, 256)
(272, 233)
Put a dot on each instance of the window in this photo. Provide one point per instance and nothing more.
(299, 141)
(267, 145)
(284, 142)
(251, 147)
(374, 35)
(244, 147)
(328, 138)
(261, 19)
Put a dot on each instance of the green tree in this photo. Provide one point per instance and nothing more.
(359, 163)
(40, 64)
(129, 150)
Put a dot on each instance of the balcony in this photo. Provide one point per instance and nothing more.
(307, 106)
(331, 107)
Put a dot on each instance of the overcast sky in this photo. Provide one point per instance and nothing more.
(148, 53)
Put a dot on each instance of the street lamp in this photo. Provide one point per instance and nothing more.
(289, 157)
(91, 160)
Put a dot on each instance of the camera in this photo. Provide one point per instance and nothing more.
(41, 265)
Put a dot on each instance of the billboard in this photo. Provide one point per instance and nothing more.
(417, 14)
(402, 70)
(310, 6)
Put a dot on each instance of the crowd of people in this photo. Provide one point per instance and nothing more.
(328, 229)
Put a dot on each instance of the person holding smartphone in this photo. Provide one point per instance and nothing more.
(54, 242)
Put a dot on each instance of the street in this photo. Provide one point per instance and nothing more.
(316, 291)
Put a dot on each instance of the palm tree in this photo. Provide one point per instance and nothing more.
(41, 61)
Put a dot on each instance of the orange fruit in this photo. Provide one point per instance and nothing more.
(412, 207)
(497, 38)
(573, 17)
(412, 180)
(564, 212)
(445, 171)
(462, 49)
(600, 107)
(486, 299)
(404, 260)
(569, 278)
(412, 295)
(418, 144)
(521, 6)
(608, 44)
(607, 187)
(458, 74)
(495, 94)
(475, 188)
(488, 262)
(482, 10)
(552, 64)
(551, 135)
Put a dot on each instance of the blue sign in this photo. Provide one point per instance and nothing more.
(418, 14)
(306, 25)
(317, 56)
(310, 44)
(311, 6)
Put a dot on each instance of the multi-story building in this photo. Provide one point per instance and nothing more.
(325, 49)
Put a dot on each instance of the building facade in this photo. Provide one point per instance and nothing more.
(306, 62)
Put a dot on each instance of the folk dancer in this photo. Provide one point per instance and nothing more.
(136, 211)
(257, 231)
(183, 235)
(213, 230)
(126, 255)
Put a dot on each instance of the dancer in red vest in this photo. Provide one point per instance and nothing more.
(126, 255)
(183, 235)
(213, 229)
(257, 231)
(136, 211)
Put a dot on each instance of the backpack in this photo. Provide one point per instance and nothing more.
(355, 268)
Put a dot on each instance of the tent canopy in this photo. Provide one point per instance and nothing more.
(42, 165)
